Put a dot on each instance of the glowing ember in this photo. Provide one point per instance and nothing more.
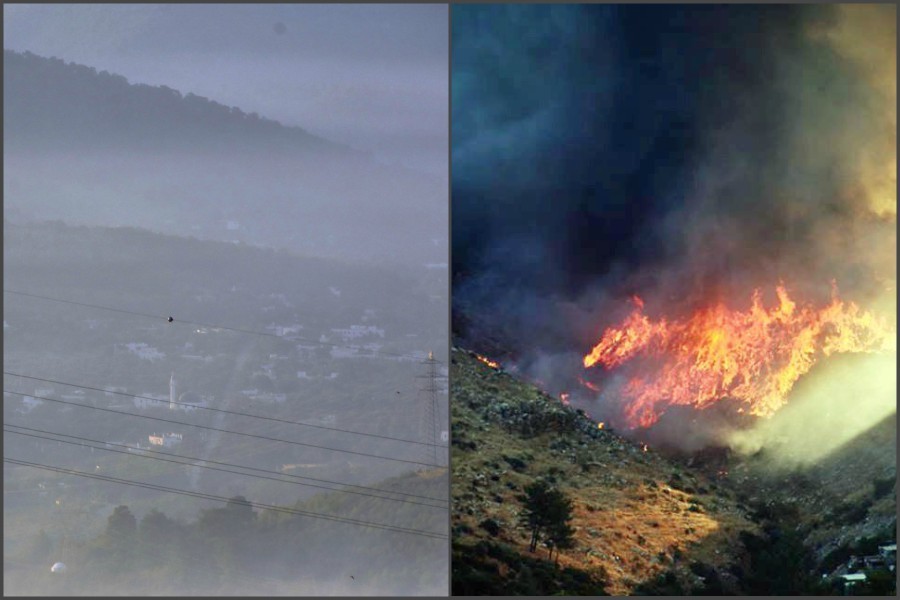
(754, 356)
(601, 425)
(589, 385)
(488, 362)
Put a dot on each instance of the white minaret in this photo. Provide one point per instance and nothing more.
(172, 396)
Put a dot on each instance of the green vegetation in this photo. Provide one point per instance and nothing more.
(547, 513)
(864, 546)
(491, 569)
(237, 549)
(779, 564)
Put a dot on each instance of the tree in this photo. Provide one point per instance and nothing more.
(41, 547)
(159, 535)
(548, 513)
(114, 550)
(559, 535)
(121, 525)
(225, 533)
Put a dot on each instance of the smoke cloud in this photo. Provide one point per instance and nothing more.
(688, 155)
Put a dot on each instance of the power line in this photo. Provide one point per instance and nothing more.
(203, 495)
(222, 410)
(253, 435)
(81, 439)
(208, 325)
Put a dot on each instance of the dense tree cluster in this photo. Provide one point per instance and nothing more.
(548, 513)
(237, 549)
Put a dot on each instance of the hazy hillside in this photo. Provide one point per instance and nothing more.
(255, 553)
(836, 503)
(92, 148)
(309, 371)
(294, 302)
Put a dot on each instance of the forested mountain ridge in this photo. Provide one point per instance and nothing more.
(90, 148)
(50, 104)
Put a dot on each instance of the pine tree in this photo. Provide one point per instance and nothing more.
(548, 512)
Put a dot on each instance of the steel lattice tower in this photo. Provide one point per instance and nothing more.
(430, 410)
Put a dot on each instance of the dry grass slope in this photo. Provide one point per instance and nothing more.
(638, 517)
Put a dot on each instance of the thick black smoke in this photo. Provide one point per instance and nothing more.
(687, 154)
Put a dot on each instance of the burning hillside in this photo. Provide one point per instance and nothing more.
(739, 148)
(637, 516)
(754, 356)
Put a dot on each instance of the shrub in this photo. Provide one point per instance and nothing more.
(517, 464)
(491, 526)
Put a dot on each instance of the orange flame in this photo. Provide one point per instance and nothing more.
(588, 385)
(754, 356)
(488, 362)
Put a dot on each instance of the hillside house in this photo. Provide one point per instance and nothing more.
(325, 420)
(198, 357)
(269, 398)
(190, 401)
(889, 552)
(74, 396)
(286, 331)
(166, 440)
(355, 332)
(141, 350)
(28, 404)
(150, 401)
(306, 350)
(851, 580)
(344, 352)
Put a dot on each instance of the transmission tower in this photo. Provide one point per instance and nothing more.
(430, 411)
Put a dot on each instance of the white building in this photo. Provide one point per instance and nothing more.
(144, 351)
(74, 396)
(270, 398)
(29, 404)
(150, 401)
(355, 332)
(166, 440)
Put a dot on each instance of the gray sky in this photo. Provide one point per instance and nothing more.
(371, 76)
